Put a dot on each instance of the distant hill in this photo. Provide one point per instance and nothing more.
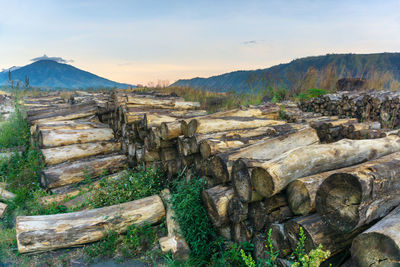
(51, 74)
(343, 65)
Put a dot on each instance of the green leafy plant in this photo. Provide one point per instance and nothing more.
(192, 217)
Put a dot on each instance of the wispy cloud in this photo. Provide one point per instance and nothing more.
(253, 42)
(56, 59)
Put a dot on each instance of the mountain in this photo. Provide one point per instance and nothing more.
(51, 74)
(343, 65)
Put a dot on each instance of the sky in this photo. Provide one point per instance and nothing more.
(143, 42)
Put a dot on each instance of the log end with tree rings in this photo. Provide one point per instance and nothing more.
(237, 210)
(241, 181)
(299, 199)
(375, 249)
(217, 169)
(192, 127)
(205, 149)
(262, 182)
(337, 201)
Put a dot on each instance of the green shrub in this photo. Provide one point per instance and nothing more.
(192, 218)
(14, 131)
(137, 184)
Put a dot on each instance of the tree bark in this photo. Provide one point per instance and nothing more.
(216, 200)
(49, 232)
(68, 137)
(350, 199)
(176, 242)
(65, 125)
(241, 232)
(380, 244)
(73, 113)
(237, 211)
(61, 154)
(74, 172)
(317, 232)
(276, 174)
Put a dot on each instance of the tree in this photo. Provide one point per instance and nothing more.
(27, 82)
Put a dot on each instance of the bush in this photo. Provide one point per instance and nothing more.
(192, 218)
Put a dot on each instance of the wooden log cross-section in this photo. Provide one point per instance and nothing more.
(274, 175)
(350, 199)
(49, 232)
(380, 244)
(174, 242)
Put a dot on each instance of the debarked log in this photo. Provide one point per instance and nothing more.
(274, 175)
(49, 232)
(353, 198)
(61, 154)
(74, 172)
(68, 137)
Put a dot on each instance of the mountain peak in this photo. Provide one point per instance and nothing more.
(53, 72)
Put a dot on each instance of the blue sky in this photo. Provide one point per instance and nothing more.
(145, 41)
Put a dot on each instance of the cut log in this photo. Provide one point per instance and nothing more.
(276, 174)
(68, 137)
(218, 165)
(210, 125)
(350, 199)
(170, 130)
(216, 200)
(74, 172)
(80, 194)
(61, 154)
(317, 232)
(65, 125)
(3, 210)
(237, 211)
(64, 115)
(261, 213)
(49, 232)
(380, 244)
(174, 242)
(241, 232)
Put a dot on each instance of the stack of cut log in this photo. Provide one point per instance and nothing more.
(381, 106)
(74, 143)
(278, 191)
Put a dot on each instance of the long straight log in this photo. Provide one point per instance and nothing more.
(380, 244)
(244, 160)
(74, 172)
(216, 200)
(65, 125)
(49, 232)
(68, 137)
(276, 174)
(61, 154)
(197, 126)
(75, 112)
(350, 199)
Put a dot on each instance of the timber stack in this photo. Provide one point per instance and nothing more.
(330, 174)
(380, 106)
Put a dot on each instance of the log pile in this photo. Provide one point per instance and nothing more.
(380, 106)
(329, 174)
